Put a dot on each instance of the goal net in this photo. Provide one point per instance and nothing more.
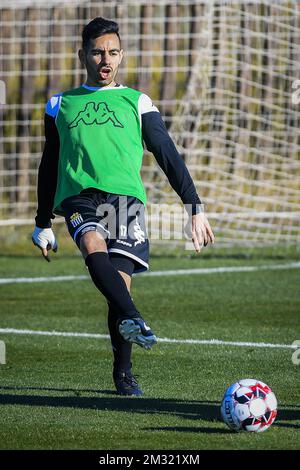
(225, 76)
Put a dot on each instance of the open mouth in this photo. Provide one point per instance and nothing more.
(105, 72)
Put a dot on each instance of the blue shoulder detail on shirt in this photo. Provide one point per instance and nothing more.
(52, 106)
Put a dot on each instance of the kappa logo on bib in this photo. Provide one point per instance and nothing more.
(94, 113)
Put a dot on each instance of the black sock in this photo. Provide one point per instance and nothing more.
(121, 348)
(109, 281)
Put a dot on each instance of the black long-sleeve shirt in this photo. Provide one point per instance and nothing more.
(157, 140)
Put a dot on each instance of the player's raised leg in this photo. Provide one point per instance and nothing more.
(109, 281)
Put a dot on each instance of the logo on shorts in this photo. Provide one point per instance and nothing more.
(76, 219)
(138, 233)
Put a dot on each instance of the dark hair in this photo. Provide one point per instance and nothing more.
(98, 27)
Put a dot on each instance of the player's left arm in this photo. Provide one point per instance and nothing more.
(159, 142)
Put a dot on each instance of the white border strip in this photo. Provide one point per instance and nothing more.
(214, 342)
(177, 272)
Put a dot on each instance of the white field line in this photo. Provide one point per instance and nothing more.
(177, 272)
(24, 280)
(214, 342)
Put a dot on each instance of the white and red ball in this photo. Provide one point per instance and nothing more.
(249, 405)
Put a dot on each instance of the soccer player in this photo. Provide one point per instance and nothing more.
(90, 174)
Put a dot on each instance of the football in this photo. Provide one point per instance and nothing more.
(249, 405)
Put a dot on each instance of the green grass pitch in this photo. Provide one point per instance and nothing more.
(57, 392)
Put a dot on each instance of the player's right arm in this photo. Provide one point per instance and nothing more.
(43, 236)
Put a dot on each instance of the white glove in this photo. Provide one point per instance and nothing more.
(44, 238)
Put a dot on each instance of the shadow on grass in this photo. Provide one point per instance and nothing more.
(75, 391)
(195, 429)
(290, 414)
(209, 411)
(190, 409)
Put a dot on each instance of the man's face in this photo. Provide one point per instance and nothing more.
(101, 59)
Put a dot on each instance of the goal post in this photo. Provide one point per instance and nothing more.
(225, 76)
